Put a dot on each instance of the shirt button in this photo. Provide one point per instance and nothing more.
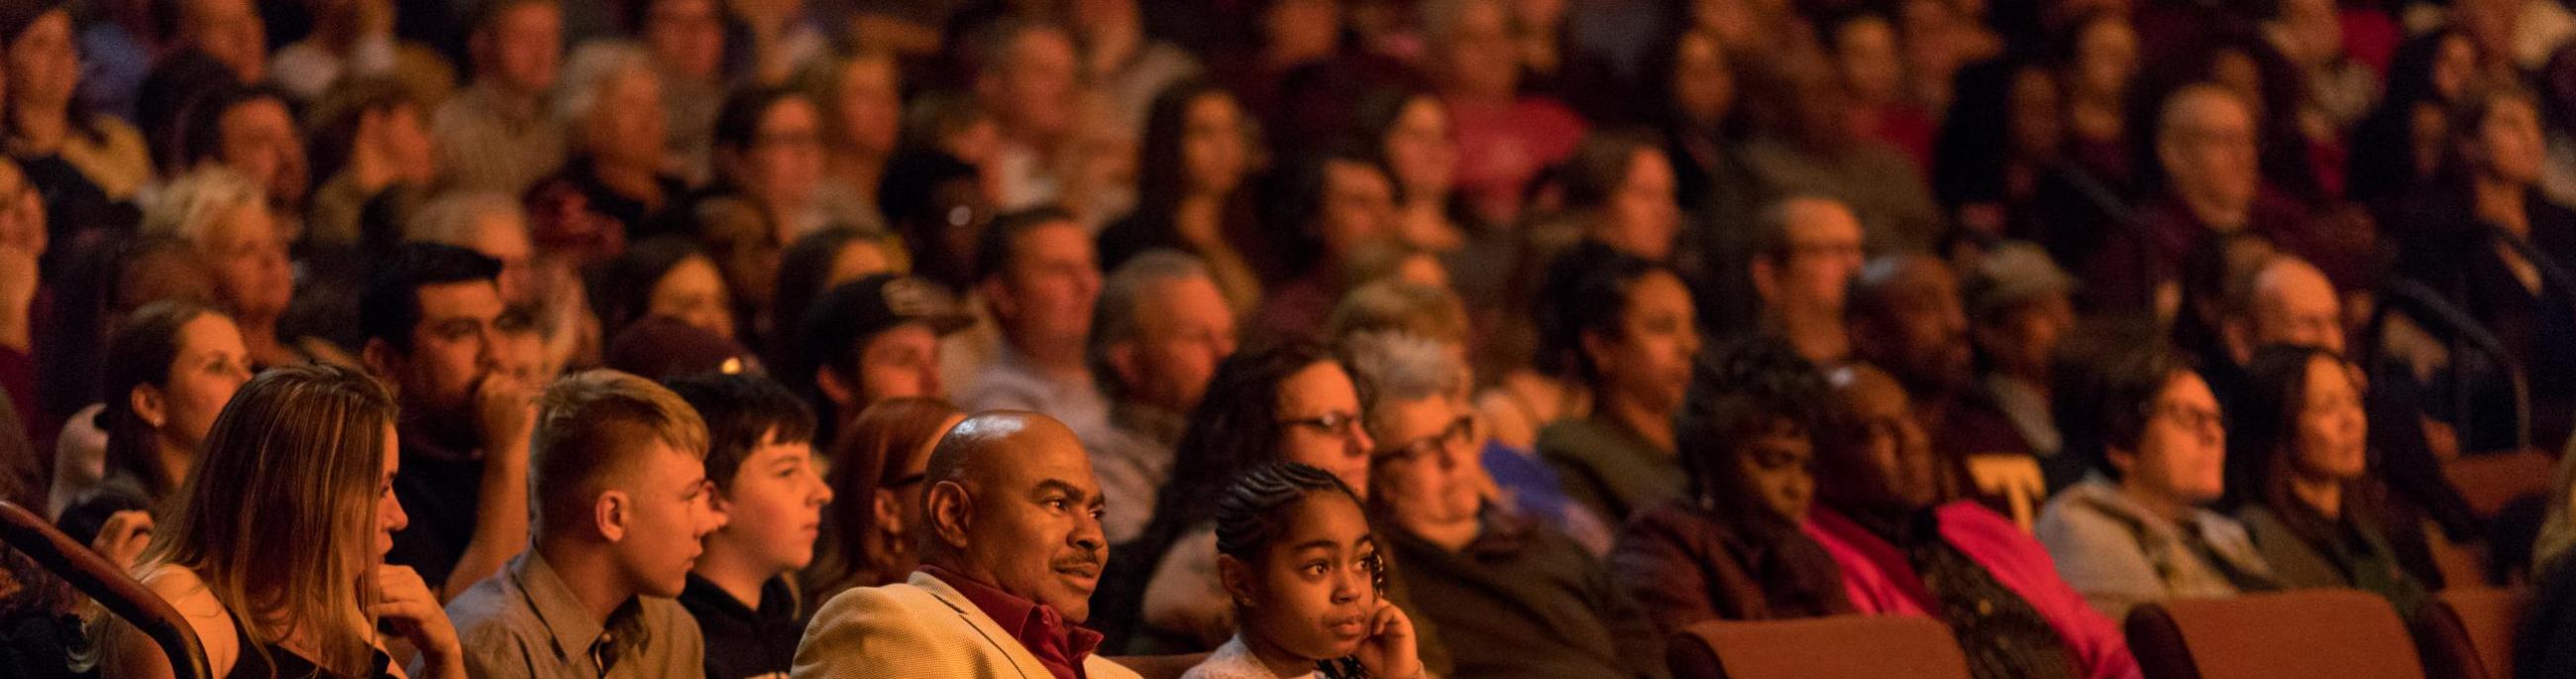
(2003, 643)
(1985, 607)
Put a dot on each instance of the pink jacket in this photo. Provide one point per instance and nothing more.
(1881, 581)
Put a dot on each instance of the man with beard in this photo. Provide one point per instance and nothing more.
(432, 321)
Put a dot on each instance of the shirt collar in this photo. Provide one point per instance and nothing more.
(1034, 625)
(574, 631)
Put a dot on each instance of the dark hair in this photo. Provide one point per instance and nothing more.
(2468, 118)
(622, 292)
(738, 123)
(1295, 202)
(742, 412)
(481, 15)
(875, 447)
(1664, 63)
(1376, 115)
(140, 352)
(390, 307)
(1756, 387)
(2106, 391)
(999, 247)
(201, 135)
(331, 124)
(1162, 179)
(1829, 28)
(2383, 157)
(922, 192)
(802, 272)
(1600, 165)
(1235, 427)
(1975, 143)
(1253, 511)
(2263, 429)
(2263, 445)
(1585, 291)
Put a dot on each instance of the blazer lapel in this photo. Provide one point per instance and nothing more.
(1001, 640)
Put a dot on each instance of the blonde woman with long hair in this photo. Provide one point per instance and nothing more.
(275, 553)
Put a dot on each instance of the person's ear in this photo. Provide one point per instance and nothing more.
(610, 514)
(1236, 576)
(381, 360)
(834, 388)
(950, 510)
(717, 502)
(150, 404)
(1596, 349)
(997, 296)
(888, 507)
(1122, 360)
(1765, 284)
(2239, 338)
(2121, 459)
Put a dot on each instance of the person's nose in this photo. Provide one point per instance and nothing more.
(396, 518)
(1088, 536)
(823, 494)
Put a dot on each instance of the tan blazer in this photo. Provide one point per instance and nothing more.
(922, 628)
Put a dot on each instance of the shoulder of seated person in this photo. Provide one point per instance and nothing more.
(183, 588)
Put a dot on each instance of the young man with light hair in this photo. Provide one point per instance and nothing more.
(618, 474)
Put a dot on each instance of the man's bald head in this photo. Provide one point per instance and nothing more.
(985, 440)
(2288, 301)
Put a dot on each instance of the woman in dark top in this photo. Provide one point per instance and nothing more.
(88, 166)
(1192, 193)
(309, 449)
(1627, 328)
(2399, 145)
(1732, 548)
(2298, 462)
(2485, 240)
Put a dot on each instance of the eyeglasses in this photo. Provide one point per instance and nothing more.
(2198, 419)
(1336, 423)
(1459, 433)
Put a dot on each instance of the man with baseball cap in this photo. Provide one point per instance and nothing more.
(869, 340)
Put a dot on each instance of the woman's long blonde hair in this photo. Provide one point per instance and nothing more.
(278, 516)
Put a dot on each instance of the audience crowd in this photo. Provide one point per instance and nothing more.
(1276, 338)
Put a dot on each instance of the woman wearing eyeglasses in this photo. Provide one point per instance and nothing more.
(1511, 597)
(2135, 531)
(2299, 465)
(876, 472)
(1291, 402)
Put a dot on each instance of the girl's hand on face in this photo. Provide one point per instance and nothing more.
(1389, 650)
(405, 604)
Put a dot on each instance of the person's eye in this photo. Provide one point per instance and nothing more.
(1316, 568)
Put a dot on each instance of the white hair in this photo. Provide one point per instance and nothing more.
(196, 201)
(591, 68)
(1401, 367)
(451, 219)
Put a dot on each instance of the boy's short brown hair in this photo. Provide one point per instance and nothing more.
(591, 427)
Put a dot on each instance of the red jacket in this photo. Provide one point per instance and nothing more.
(1881, 582)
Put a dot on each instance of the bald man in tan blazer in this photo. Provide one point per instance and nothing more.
(1010, 555)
